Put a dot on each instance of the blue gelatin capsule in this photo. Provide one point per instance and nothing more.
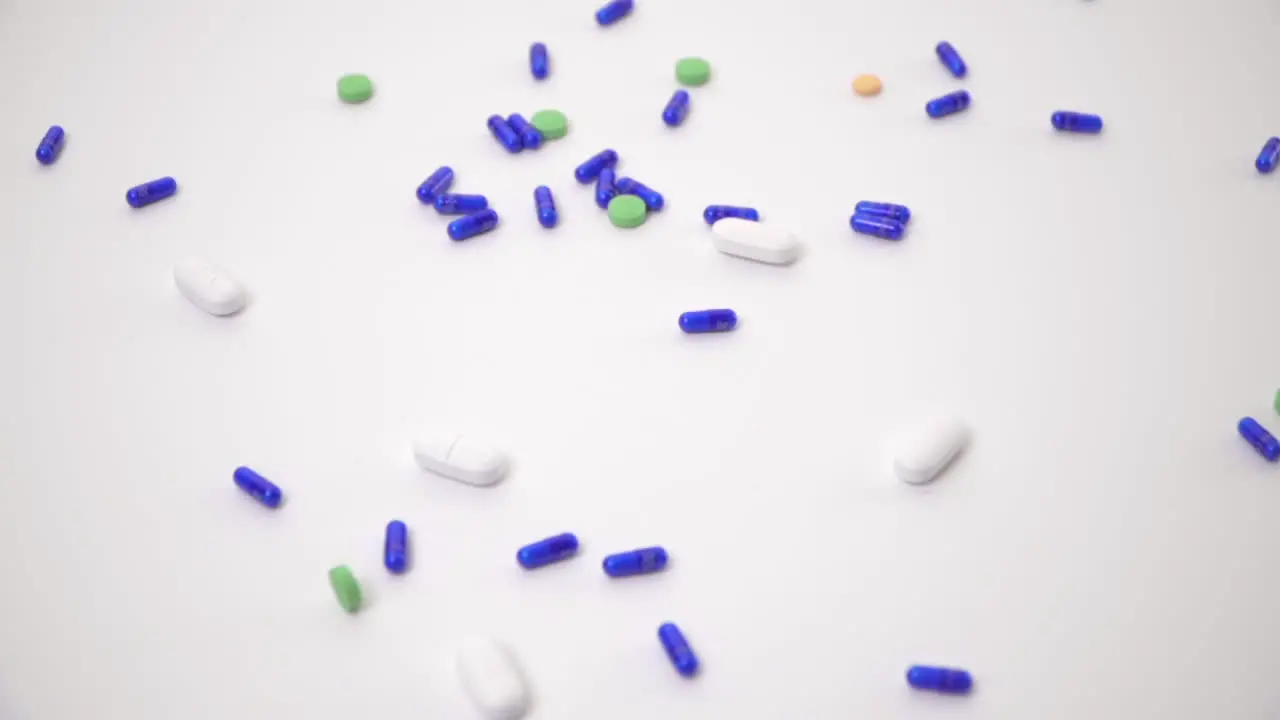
(605, 188)
(589, 170)
(901, 213)
(1261, 440)
(708, 321)
(1068, 121)
(530, 138)
(154, 191)
(546, 205)
(951, 59)
(880, 226)
(472, 225)
(939, 679)
(720, 212)
(947, 104)
(652, 198)
(260, 488)
(539, 63)
(678, 650)
(677, 108)
(437, 184)
(50, 146)
(460, 204)
(1269, 157)
(635, 562)
(505, 134)
(614, 11)
(544, 552)
(395, 552)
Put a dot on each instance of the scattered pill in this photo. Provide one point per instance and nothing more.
(867, 85)
(939, 679)
(1068, 121)
(546, 206)
(951, 59)
(1261, 440)
(437, 183)
(677, 109)
(258, 487)
(947, 104)
(539, 63)
(693, 71)
(719, 212)
(395, 551)
(653, 200)
(472, 225)
(460, 458)
(635, 562)
(901, 213)
(605, 189)
(50, 146)
(627, 211)
(1269, 157)
(928, 448)
(550, 550)
(678, 650)
(590, 170)
(551, 123)
(614, 11)
(346, 588)
(708, 321)
(530, 138)
(505, 134)
(355, 88)
(880, 226)
(1277, 402)
(209, 287)
(460, 204)
(154, 191)
(755, 241)
(492, 679)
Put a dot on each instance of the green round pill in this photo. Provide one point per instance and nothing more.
(355, 88)
(627, 211)
(693, 71)
(551, 123)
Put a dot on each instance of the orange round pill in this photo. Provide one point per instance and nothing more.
(867, 85)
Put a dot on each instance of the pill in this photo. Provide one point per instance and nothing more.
(209, 287)
(755, 241)
(50, 146)
(901, 213)
(939, 679)
(947, 104)
(693, 71)
(951, 59)
(149, 192)
(677, 108)
(614, 11)
(395, 551)
(472, 225)
(437, 183)
(627, 211)
(460, 458)
(530, 138)
(547, 551)
(867, 85)
(708, 321)
(678, 650)
(1261, 440)
(719, 212)
(1277, 402)
(653, 200)
(1075, 122)
(448, 204)
(258, 487)
(880, 226)
(928, 448)
(589, 170)
(539, 63)
(605, 189)
(1269, 157)
(492, 679)
(546, 206)
(345, 588)
(551, 123)
(355, 88)
(635, 562)
(505, 134)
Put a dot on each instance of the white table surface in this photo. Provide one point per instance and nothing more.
(1100, 310)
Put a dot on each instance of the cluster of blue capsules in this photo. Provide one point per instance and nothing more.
(950, 103)
(614, 11)
(515, 133)
(478, 217)
(1269, 157)
(880, 219)
(602, 168)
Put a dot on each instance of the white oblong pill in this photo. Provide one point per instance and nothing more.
(209, 287)
(928, 448)
(492, 679)
(755, 241)
(460, 458)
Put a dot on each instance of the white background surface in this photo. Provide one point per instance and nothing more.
(1099, 309)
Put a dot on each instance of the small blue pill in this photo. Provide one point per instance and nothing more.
(652, 198)
(589, 170)
(437, 183)
(460, 204)
(951, 59)
(708, 321)
(1269, 157)
(635, 562)
(939, 679)
(472, 225)
(50, 146)
(544, 552)
(677, 108)
(880, 226)
(258, 487)
(530, 138)
(539, 63)
(901, 213)
(505, 134)
(1075, 122)
(720, 212)
(546, 206)
(395, 552)
(1261, 440)
(150, 192)
(678, 650)
(614, 11)
(947, 104)
(605, 188)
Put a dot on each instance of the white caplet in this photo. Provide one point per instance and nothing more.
(755, 241)
(928, 447)
(460, 458)
(209, 287)
(492, 679)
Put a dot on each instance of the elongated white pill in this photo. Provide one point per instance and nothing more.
(492, 679)
(460, 458)
(209, 287)
(755, 241)
(928, 447)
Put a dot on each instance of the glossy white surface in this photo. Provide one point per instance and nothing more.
(928, 447)
(757, 241)
(460, 458)
(209, 287)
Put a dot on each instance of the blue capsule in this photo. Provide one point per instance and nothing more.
(546, 205)
(460, 204)
(1261, 440)
(901, 213)
(939, 679)
(530, 138)
(437, 184)
(880, 226)
(544, 552)
(708, 321)
(720, 212)
(589, 170)
(1269, 157)
(472, 225)
(678, 650)
(50, 146)
(395, 552)
(258, 487)
(539, 63)
(947, 104)
(150, 192)
(652, 198)
(677, 108)
(635, 562)
(605, 189)
(505, 134)
(1068, 121)
(614, 11)
(951, 59)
